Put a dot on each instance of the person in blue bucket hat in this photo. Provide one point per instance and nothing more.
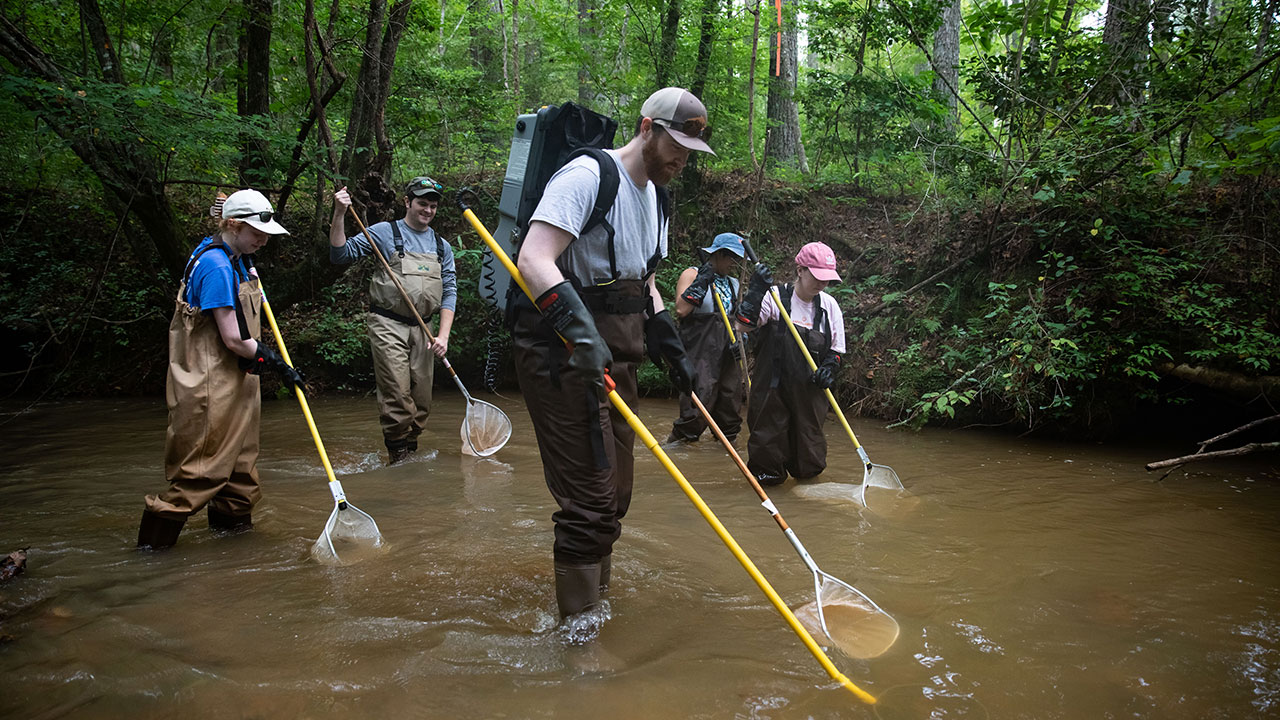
(715, 358)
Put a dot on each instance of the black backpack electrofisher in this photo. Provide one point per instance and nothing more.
(544, 142)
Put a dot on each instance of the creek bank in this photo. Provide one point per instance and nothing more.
(1053, 318)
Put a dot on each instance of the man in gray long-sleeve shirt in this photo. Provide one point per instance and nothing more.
(403, 357)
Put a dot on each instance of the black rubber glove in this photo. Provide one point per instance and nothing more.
(825, 376)
(268, 359)
(697, 290)
(663, 343)
(749, 307)
(564, 311)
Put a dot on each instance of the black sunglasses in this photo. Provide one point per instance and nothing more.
(264, 216)
(693, 127)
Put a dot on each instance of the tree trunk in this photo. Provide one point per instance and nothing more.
(1060, 38)
(706, 41)
(366, 155)
(946, 63)
(396, 25)
(1126, 36)
(515, 51)
(254, 97)
(484, 56)
(664, 64)
(128, 171)
(501, 12)
(784, 143)
(358, 141)
(108, 63)
(1264, 30)
(1245, 387)
(587, 39)
(751, 85)
(164, 52)
(321, 94)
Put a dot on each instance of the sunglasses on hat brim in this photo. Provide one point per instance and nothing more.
(265, 216)
(424, 183)
(693, 127)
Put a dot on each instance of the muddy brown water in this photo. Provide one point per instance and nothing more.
(1030, 580)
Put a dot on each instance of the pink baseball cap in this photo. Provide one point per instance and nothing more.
(820, 260)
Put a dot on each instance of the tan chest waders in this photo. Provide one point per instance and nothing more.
(211, 446)
(403, 363)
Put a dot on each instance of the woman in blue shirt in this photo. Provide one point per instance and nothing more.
(211, 446)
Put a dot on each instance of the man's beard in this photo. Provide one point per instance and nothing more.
(654, 167)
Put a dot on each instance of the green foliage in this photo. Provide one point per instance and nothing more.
(1121, 235)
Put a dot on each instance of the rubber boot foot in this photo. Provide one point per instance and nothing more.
(770, 480)
(577, 588)
(156, 532)
(397, 451)
(228, 523)
(606, 570)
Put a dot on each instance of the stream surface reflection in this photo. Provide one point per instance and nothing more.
(1030, 580)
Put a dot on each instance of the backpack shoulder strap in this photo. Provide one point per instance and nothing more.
(608, 190)
(664, 206)
(606, 195)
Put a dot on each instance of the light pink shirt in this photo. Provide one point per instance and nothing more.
(802, 315)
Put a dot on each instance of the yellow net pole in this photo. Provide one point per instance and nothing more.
(650, 442)
(814, 366)
(302, 399)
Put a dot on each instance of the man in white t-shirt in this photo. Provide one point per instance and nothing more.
(596, 290)
(788, 406)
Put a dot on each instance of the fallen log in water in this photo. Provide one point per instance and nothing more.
(1200, 454)
(1196, 457)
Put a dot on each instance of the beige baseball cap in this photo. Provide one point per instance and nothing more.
(682, 115)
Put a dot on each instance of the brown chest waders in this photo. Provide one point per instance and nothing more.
(719, 377)
(787, 411)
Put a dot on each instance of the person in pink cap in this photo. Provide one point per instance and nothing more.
(787, 405)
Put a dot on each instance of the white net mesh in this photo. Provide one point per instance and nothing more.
(882, 476)
(830, 491)
(855, 625)
(349, 535)
(485, 429)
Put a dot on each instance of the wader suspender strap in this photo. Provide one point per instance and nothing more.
(399, 242)
(396, 238)
(244, 326)
(784, 294)
(191, 266)
(819, 317)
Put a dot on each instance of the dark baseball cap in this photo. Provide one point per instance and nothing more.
(424, 186)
